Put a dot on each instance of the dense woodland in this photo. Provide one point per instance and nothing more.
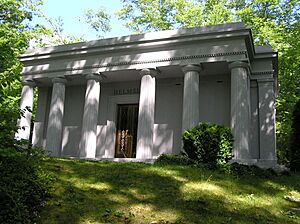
(273, 22)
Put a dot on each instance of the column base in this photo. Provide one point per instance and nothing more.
(262, 163)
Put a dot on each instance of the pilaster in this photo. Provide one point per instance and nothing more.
(266, 107)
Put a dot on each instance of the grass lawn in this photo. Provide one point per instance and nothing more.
(108, 192)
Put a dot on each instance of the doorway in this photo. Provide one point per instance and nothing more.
(126, 134)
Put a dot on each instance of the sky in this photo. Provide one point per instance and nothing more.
(71, 10)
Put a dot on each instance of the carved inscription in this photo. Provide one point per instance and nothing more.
(126, 91)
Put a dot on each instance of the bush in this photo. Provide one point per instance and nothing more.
(294, 150)
(24, 186)
(171, 159)
(240, 170)
(209, 144)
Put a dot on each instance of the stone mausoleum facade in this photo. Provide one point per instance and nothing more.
(131, 97)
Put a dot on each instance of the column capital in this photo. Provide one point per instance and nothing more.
(148, 71)
(96, 77)
(238, 64)
(192, 68)
(59, 80)
(28, 82)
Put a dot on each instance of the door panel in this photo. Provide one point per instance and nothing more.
(126, 135)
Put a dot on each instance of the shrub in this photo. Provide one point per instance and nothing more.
(171, 159)
(240, 170)
(24, 186)
(209, 144)
(294, 150)
(8, 125)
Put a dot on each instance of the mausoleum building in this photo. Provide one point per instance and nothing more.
(131, 97)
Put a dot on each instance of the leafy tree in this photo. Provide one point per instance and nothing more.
(54, 35)
(289, 88)
(294, 149)
(149, 15)
(98, 20)
(14, 32)
(24, 185)
(53, 32)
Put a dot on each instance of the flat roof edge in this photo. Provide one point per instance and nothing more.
(135, 38)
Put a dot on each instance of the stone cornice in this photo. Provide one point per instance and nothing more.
(140, 41)
(135, 62)
(263, 75)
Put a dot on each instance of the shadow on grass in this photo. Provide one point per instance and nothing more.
(106, 192)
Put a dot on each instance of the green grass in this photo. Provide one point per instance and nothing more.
(108, 192)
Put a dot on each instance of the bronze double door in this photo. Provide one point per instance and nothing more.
(126, 134)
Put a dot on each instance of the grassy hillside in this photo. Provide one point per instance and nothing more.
(107, 192)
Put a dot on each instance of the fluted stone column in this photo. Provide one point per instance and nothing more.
(55, 120)
(146, 116)
(190, 110)
(26, 105)
(240, 110)
(88, 143)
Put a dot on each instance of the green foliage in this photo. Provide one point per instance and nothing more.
(13, 42)
(54, 35)
(14, 37)
(146, 15)
(241, 170)
(98, 20)
(8, 128)
(209, 144)
(294, 150)
(149, 15)
(171, 159)
(24, 185)
(289, 89)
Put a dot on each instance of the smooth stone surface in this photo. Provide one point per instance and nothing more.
(88, 143)
(146, 116)
(190, 113)
(26, 105)
(240, 110)
(55, 120)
